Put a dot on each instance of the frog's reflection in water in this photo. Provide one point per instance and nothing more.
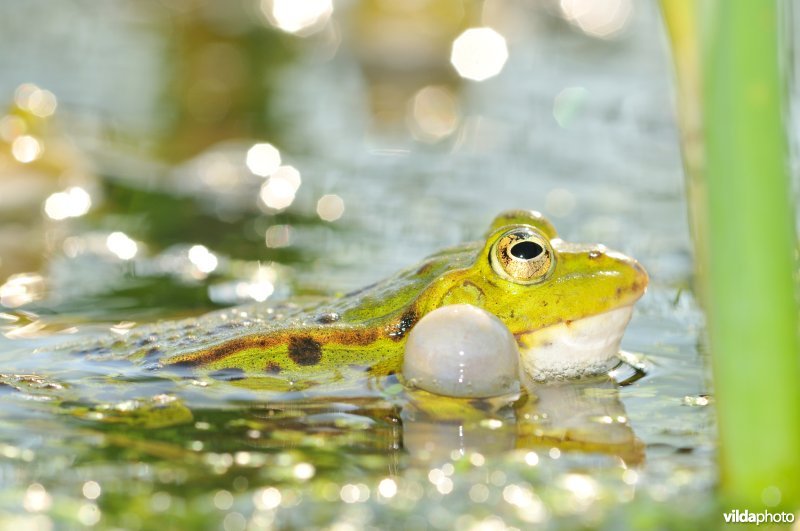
(407, 427)
(581, 415)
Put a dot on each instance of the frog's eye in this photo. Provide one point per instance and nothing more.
(522, 255)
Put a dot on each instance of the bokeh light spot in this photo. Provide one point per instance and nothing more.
(263, 159)
(303, 471)
(39, 102)
(434, 113)
(387, 488)
(298, 16)
(278, 236)
(279, 190)
(71, 203)
(204, 260)
(91, 490)
(267, 499)
(36, 499)
(121, 245)
(89, 514)
(330, 207)
(26, 148)
(598, 18)
(21, 288)
(260, 286)
(479, 53)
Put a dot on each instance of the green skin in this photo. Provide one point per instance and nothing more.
(363, 333)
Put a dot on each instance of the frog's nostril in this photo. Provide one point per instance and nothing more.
(526, 250)
(594, 254)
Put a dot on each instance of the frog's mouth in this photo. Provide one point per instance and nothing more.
(574, 348)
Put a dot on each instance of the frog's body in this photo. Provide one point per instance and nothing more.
(365, 331)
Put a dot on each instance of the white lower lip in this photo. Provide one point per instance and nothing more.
(580, 348)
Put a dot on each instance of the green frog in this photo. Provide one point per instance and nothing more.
(566, 304)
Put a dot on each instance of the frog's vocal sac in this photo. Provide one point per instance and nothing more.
(566, 304)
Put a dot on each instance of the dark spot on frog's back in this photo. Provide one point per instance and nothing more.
(407, 320)
(304, 351)
(273, 367)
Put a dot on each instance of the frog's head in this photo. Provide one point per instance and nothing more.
(567, 304)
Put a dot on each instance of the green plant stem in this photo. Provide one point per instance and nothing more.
(750, 246)
(753, 313)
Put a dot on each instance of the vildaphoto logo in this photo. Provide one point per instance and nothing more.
(765, 517)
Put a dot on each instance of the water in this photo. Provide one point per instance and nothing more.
(578, 127)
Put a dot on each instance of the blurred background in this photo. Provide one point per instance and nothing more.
(170, 156)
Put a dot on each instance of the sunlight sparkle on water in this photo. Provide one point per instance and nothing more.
(440, 480)
(581, 486)
(267, 499)
(39, 102)
(36, 499)
(263, 159)
(91, 490)
(260, 287)
(477, 459)
(89, 514)
(26, 148)
(630, 477)
(21, 288)
(121, 245)
(521, 496)
(204, 260)
(278, 236)
(223, 500)
(598, 18)
(123, 328)
(698, 400)
(387, 488)
(529, 506)
(479, 53)
(303, 471)
(351, 493)
(294, 16)
(434, 113)
(279, 190)
(330, 207)
(71, 203)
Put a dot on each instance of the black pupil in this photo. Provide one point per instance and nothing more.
(526, 250)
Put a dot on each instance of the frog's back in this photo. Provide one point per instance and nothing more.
(297, 340)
